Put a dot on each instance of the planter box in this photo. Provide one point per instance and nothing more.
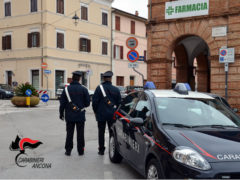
(21, 101)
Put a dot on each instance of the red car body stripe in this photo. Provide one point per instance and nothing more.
(148, 137)
(26, 140)
(205, 153)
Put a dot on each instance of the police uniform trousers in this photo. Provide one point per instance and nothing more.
(101, 133)
(70, 126)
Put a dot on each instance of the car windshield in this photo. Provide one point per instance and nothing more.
(5, 87)
(195, 112)
(121, 88)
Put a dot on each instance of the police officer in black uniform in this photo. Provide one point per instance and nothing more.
(74, 112)
(104, 107)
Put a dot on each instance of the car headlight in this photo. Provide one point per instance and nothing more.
(190, 157)
(8, 92)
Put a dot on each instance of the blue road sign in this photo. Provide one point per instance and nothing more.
(47, 71)
(132, 56)
(141, 58)
(28, 92)
(45, 98)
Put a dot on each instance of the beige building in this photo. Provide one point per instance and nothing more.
(37, 31)
(127, 25)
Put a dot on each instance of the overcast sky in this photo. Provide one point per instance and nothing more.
(132, 5)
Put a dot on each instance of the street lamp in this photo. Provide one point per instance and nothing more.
(76, 19)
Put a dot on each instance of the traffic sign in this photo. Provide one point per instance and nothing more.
(45, 98)
(133, 65)
(133, 56)
(47, 71)
(132, 43)
(28, 92)
(44, 65)
(141, 58)
(227, 55)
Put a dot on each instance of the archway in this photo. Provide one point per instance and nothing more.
(191, 63)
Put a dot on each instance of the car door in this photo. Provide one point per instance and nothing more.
(137, 141)
(122, 123)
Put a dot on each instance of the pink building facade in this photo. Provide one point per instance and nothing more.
(127, 25)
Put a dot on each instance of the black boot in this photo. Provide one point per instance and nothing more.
(101, 151)
(68, 153)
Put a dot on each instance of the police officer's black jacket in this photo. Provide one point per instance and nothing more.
(80, 97)
(102, 110)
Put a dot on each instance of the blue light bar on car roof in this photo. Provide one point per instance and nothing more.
(182, 88)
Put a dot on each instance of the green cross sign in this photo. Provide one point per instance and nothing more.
(170, 10)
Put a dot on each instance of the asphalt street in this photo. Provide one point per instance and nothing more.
(42, 123)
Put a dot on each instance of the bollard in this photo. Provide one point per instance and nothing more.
(28, 101)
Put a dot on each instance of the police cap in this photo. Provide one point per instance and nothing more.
(78, 73)
(108, 74)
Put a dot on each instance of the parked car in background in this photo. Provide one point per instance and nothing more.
(122, 91)
(6, 91)
(63, 85)
(222, 100)
(133, 88)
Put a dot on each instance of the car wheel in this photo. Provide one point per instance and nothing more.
(154, 170)
(114, 155)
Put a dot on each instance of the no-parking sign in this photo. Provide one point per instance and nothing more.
(133, 56)
(227, 55)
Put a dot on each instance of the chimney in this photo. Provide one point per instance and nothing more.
(136, 13)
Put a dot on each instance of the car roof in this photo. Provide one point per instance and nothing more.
(173, 94)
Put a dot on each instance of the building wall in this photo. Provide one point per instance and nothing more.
(120, 66)
(162, 36)
(70, 58)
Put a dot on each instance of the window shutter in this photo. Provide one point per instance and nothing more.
(145, 56)
(62, 6)
(62, 41)
(80, 44)
(38, 39)
(121, 52)
(8, 44)
(58, 40)
(105, 19)
(29, 40)
(3, 43)
(88, 45)
(117, 23)
(132, 27)
(114, 51)
(84, 13)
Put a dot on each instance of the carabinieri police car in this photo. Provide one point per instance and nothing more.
(176, 134)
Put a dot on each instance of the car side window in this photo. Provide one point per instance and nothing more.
(129, 103)
(143, 110)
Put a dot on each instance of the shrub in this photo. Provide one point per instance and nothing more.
(21, 89)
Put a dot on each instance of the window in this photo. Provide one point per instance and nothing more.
(33, 39)
(34, 5)
(59, 79)
(7, 7)
(35, 78)
(117, 23)
(84, 12)
(118, 52)
(104, 18)
(104, 48)
(132, 80)
(129, 103)
(6, 42)
(60, 40)
(84, 45)
(132, 27)
(60, 6)
(120, 81)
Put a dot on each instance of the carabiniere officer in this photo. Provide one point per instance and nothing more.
(81, 99)
(103, 111)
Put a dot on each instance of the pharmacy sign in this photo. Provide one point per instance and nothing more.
(186, 8)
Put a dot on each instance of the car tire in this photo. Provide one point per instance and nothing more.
(154, 170)
(114, 155)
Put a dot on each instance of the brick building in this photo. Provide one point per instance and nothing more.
(189, 35)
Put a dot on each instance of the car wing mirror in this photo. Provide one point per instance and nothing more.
(137, 121)
(235, 110)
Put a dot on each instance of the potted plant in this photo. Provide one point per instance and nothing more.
(19, 99)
